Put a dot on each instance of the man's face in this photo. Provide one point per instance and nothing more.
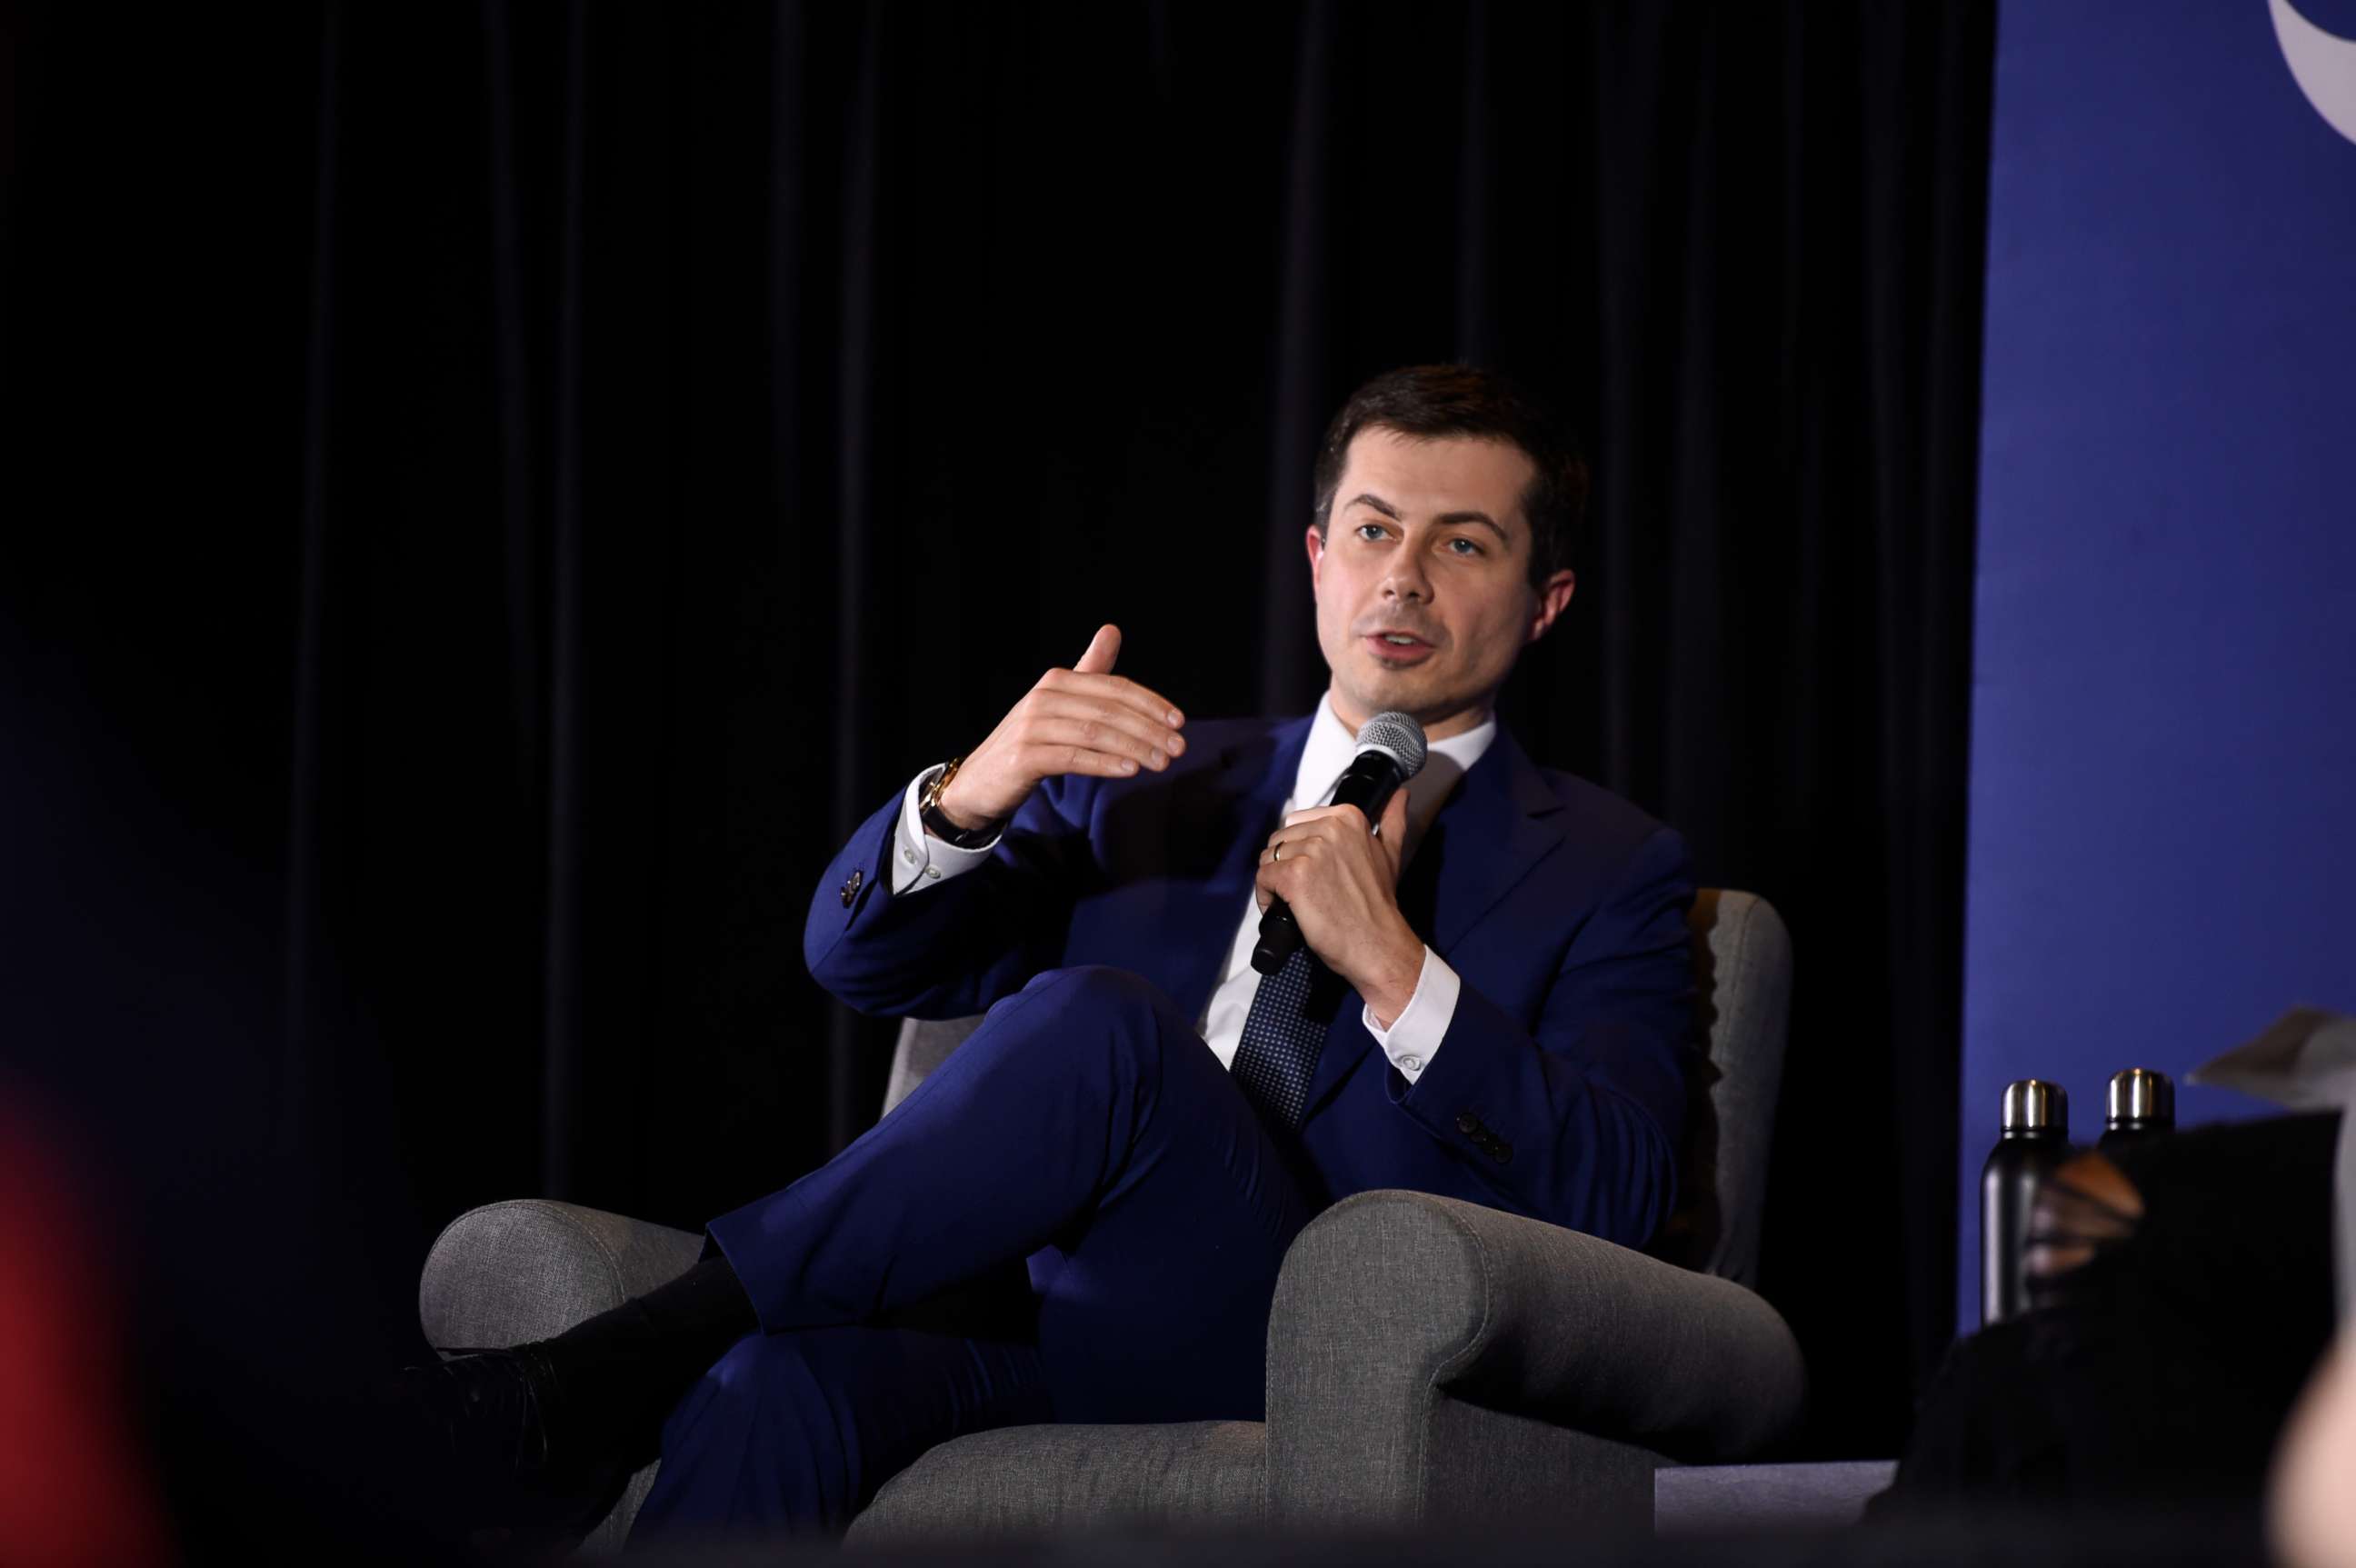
(1427, 540)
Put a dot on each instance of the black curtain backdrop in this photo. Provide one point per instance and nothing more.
(519, 482)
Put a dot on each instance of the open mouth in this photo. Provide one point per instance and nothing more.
(1398, 647)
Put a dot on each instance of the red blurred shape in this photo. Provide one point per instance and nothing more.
(74, 1487)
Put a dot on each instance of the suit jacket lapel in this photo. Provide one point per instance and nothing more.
(1493, 829)
(1492, 833)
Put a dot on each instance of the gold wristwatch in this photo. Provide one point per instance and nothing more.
(937, 822)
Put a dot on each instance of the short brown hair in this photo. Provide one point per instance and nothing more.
(1429, 402)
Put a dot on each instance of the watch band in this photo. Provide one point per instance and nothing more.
(937, 822)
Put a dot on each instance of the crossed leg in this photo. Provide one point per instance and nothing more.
(1086, 1127)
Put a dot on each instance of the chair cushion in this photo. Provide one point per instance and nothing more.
(1040, 1480)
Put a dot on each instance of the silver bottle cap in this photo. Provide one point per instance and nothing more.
(2033, 1105)
(2140, 1096)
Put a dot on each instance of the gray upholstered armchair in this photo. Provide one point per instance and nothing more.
(1428, 1361)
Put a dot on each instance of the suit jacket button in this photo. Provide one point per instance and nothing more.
(1467, 1123)
(850, 886)
(1500, 1151)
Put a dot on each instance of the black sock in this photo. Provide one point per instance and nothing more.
(619, 1373)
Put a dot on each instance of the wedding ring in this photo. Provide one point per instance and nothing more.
(1276, 852)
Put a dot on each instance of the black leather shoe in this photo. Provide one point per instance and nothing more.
(498, 1417)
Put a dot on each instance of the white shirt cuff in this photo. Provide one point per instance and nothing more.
(918, 859)
(1413, 1038)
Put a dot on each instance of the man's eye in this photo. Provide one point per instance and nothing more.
(1364, 526)
(1471, 548)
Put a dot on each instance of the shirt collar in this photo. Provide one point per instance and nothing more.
(1331, 745)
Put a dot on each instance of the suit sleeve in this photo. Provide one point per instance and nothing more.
(952, 947)
(1579, 1122)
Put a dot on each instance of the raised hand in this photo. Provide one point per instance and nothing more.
(1082, 720)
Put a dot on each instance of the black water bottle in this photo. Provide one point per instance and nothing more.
(2142, 1106)
(2035, 1140)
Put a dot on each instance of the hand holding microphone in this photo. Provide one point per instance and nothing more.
(1322, 879)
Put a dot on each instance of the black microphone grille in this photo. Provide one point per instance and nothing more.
(1398, 733)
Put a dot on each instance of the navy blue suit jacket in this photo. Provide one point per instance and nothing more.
(1558, 1089)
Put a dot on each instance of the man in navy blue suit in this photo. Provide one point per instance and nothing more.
(1081, 1214)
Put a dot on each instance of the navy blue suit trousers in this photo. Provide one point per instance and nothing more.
(1086, 1127)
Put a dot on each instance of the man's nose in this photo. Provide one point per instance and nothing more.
(1405, 580)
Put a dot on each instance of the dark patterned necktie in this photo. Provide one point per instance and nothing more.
(1283, 1035)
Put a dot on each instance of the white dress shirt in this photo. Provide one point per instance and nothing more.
(1411, 1039)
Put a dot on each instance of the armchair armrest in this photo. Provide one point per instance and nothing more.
(530, 1268)
(1428, 1357)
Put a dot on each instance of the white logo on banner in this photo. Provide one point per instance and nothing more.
(2323, 66)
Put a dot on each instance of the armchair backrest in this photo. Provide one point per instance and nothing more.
(1742, 1001)
(1742, 992)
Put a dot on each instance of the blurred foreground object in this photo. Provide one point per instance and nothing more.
(2311, 1508)
(2306, 1059)
(73, 1486)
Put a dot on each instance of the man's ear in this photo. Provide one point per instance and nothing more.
(1315, 544)
(1554, 597)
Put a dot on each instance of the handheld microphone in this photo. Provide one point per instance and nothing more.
(1391, 752)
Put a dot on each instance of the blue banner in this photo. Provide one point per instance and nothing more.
(2163, 785)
